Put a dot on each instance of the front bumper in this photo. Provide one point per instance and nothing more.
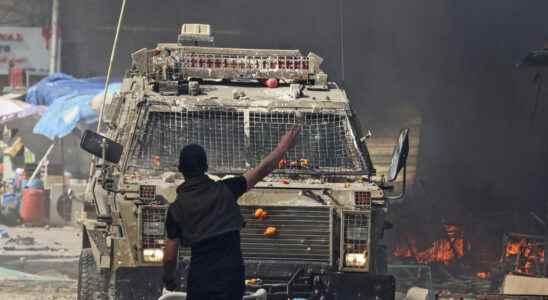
(301, 284)
(283, 281)
(363, 286)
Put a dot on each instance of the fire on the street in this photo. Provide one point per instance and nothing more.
(528, 254)
(443, 250)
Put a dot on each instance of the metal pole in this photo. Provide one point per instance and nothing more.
(341, 39)
(41, 163)
(107, 82)
(59, 54)
(62, 148)
(53, 42)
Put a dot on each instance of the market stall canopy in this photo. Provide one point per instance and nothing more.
(12, 108)
(77, 161)
(69, 102)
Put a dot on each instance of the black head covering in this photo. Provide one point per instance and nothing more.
(192, 161)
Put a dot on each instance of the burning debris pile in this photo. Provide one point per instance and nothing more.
(444, 260)
(445, 250)
(523, 254)
(458, 264)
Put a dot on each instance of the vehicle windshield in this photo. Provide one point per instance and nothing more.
(235, 143)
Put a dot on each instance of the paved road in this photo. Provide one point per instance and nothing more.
(39, 263)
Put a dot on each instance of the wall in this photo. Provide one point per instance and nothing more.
(27, 13)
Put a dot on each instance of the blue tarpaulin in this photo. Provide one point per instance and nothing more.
(68, 100)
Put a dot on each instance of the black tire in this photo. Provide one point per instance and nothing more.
(92, 283)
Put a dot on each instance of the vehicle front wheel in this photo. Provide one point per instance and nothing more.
(92, 283)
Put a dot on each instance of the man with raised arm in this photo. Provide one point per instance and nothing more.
(206, 217)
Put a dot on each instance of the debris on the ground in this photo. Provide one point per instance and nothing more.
(35, 241)
(22, 240)
(8, 274)
(39, 263)
(237, 94)
(38, 290)
(417, 293)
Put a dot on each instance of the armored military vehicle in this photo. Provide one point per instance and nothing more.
(313, 228)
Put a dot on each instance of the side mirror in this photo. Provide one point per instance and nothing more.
(101, 146)
(399, 156)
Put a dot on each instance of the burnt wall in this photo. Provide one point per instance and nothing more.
(448, 64)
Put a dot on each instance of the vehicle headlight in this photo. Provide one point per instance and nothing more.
(356, 260)
(153, 228)
(153, 255)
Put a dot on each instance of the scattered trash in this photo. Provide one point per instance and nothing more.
(237, 94)
(8, 274)
(19, 240)
(27, 243)
(295, 91)
(14, 248)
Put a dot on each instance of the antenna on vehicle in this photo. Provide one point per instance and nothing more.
(109, 70)
(341, 39)
(109, 73)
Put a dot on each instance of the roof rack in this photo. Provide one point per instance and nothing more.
(180, 62)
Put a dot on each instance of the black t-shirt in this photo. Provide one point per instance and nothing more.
(237, 185)
(218, 251)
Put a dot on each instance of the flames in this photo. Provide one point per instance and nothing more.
(529, 254)
(525, 247)
(521, 253)
(512, 248)
(442, 250)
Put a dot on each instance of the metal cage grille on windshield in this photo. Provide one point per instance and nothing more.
(236, 140)
(221, 133)
(322, 145)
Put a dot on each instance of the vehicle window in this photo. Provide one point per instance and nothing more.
(324, 146)
(221, 133)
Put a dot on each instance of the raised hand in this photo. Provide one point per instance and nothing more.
(289, 139)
